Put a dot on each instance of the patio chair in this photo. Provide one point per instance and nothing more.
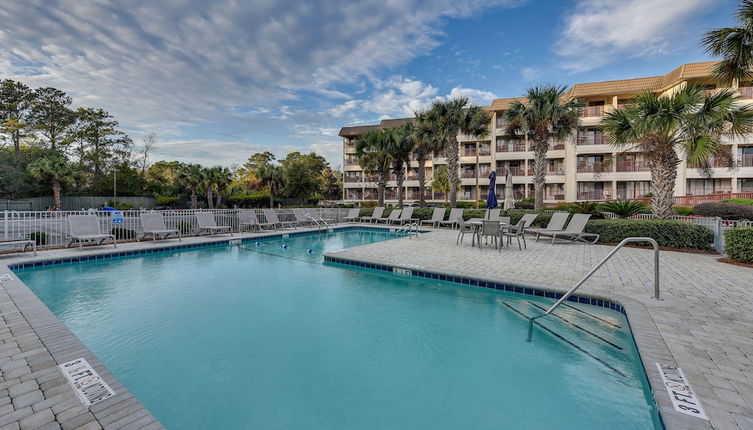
(208, 224)
(85, 228)
(20, 242)
(528, 220)
(556, 223)
(271, 217)
(574, 230)
(406, 216)
(247, 220)
(463, 229)
(518, 232)
(489, 228)
(504, 220)
(153, 224)
(492, 214)
(302, 217)
(436, 217)
(376, 215)
(394, 216)
(452, 221)
(352, 215)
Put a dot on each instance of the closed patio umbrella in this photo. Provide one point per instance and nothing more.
(508, 193)
(491, 198)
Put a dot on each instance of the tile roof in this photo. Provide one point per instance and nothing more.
(363, 129)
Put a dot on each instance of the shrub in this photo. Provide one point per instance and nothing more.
(118, 204)
(167, 201)
(740, 201)
(369, 204)
(683, 210)
(184, 227)
(122, 233)
(523, 205)
(471, 205)
(625, 208)
(366, 211)
(473, 213)
(39, 237)
(667, 233)
(425, 213)
(738, 244)
(591, 208)
(314, 199)
(731, 211)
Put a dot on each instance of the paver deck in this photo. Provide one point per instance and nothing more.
(706, 318)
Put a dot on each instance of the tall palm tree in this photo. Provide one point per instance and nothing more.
(688, 121)
(426, 144)
(441, 181)
(453, 117)
(543, 117)
(216, 179)
(401, 145)
(374, 151)
(56, 169)
(272, 177)
(191, 176)
(734, 45)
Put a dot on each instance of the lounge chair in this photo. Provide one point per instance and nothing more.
(302, 217)
(394, 216)
(452, 221)
(20, 242)
(528, 219)
(85, 228)
(376, 215)
(208, 224)
(436, 217)
(492, 214)
(556, 223)
(272, 219)
(464, 229)
(518, 232)
(406, 216)
(247, 220)
(153, 224)
(574, 230)
(352, 215)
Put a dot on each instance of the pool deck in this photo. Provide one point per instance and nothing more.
(705, 324)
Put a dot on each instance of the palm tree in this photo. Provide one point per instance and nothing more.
(441, 181)
(223, 177)
(688, 121)
(207, 181)
(272, 177)
(374, 151)
(544, 116)
(191, 177)
(56, 169)
(401, 145)
(734, 45)
(215, 178)
(453, 117)
(426, 144)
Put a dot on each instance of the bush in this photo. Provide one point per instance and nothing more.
(167, 201)
(738, 244)
(625, 208)
(122, 233)
(425, 213)
(471, 205)
(369, 204)
(683, 210)
(39, 237)
(523, 205)
(668, 233)
(118, 204)
(591, 208)
(473, 213)
(740, 201)
(314, 199)
(731, 211)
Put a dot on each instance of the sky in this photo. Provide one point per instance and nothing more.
(219, 80)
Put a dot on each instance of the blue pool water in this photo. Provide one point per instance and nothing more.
(246, 336)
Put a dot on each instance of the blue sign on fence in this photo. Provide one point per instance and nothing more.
(117, 217)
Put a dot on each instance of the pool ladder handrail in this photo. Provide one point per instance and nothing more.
(597, 267)
(317, 221)
(410, 227)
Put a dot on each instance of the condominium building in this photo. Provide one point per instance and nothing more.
(585, 167)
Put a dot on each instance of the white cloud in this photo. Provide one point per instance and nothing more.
(602, 30)
(530, 73)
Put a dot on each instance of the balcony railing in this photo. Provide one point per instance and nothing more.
(554, 197)
(591, 139)
(598, 167)
(589, 111)
(501, 123)
(632, 166)
(631, 194)
(594, 195)
(694, 191)
(511, 147)
(557, 146)
(468, 152)
(351, 162)
(349, 178)
(484, 151)
(746, 92)
(746, 160)
(468, 174)
(555, 170)
(515, 171)
(415, 195)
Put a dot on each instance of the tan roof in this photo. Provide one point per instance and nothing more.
(389, 123)
(503, 104)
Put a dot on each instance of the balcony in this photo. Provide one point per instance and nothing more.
(590, 111)
(511, 146)
(626, 194)
(557, 146)
(632, 166)
(555, 170)
(484, 151)
(515, 171)
(594, 195)
(591, 139)
(468, 152)
(554, 196)
(598, 167)
(745, 160)
(501, 123)
(415, 195)
(349, 178)
(705, 191)
(466, 174)
(351, 162)
(746, 92)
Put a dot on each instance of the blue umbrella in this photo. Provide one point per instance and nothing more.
(491, 199)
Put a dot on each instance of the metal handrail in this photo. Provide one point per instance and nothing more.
(318, 226)
(594, 269)
(410, 229)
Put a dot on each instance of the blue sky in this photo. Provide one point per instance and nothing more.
(219, 80)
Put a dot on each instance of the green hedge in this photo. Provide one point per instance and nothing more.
(668, 233)
(683, 210)
(738, 244)
(732, 211)
(740, 201)
(167, 201)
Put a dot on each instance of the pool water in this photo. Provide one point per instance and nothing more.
(261, 336)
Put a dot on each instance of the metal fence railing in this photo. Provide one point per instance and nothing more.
(54, 228)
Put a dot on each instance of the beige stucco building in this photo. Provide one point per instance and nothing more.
(583, 168)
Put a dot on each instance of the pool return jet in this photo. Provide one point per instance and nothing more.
(569, 292)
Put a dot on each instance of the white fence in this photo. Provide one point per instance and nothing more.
(54, 225)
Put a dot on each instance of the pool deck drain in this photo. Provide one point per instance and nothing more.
(704, 325)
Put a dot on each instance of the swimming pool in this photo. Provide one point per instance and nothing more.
(266, 336)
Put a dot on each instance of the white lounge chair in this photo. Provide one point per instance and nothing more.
(247, 220)
(352, 215)
(528, 219)
(452, 221)
(85, 228)
(21, 242)
(492, 214)
(208, 224)
(376, 215)
(153, 224)
(272, 218)
(574, 230)
(436, 217)
(556, 223)
(406, 216)
(302, 217)
(394, 216)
